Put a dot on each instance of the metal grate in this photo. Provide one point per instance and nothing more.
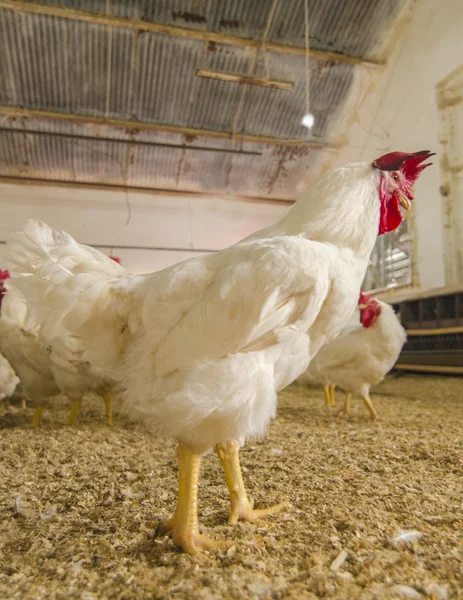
(434, 343)
(391, 261)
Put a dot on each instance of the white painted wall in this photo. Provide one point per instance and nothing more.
(168, 222)
(397, 110)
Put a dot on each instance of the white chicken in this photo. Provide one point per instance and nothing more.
(8, 380)
(74, 375)
(363, 353)
(46, 370)
(202, 348)
(21, 347)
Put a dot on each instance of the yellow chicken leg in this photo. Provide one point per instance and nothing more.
(108, 402)
(241, 506)
(74, 411)
(371, 408)
(184, 523)
(347, 403)
(332, 395)
(326, 389)
(37, 419)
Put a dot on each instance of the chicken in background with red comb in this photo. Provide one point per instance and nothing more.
(363, 353)
(199, 350)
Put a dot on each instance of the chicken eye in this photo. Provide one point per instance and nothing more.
(395, 177)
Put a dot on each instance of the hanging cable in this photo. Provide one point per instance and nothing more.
(307, 61)
(308, 118)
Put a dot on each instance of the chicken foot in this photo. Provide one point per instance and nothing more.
(184, 524)
(241, 506)
(371, 408)
(366, 399)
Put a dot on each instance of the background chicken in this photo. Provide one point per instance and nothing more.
(45, 371)
(21, 347)
(202, 348)
(8, 380)
(74, 375)
(363, 353)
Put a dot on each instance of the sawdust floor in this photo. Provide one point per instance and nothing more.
(80, 506)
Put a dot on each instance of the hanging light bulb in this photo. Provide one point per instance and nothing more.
(308, 120)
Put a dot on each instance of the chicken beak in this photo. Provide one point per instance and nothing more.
(405, 203)
(362, 306)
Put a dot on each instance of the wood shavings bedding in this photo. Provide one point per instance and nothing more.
(81, 505)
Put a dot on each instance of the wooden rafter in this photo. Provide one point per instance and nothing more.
(131, 141)
(192, 132)
(21, 180)
(197, 34)
(245, 78)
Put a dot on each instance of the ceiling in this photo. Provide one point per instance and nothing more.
(107, 92)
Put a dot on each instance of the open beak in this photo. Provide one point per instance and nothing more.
(405, 203)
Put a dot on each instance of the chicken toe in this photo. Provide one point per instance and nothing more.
(241, 506)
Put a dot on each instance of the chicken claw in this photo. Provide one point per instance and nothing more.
(189, 539)
(241, 506)
(184, 524)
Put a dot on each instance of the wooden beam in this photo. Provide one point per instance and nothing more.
(132, 142)
(438, 331)
(431, 368)
(192, 132)
(16, 180)
(197, 34)
(244, 78)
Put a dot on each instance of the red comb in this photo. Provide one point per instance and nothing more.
(393, 161)
(4, 275)
(116, 259)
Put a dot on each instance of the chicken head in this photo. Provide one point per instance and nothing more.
(370, 309)
(399, 171)
(4, 275)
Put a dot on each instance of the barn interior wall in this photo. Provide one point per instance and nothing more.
(401, 113)
(163, 229)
